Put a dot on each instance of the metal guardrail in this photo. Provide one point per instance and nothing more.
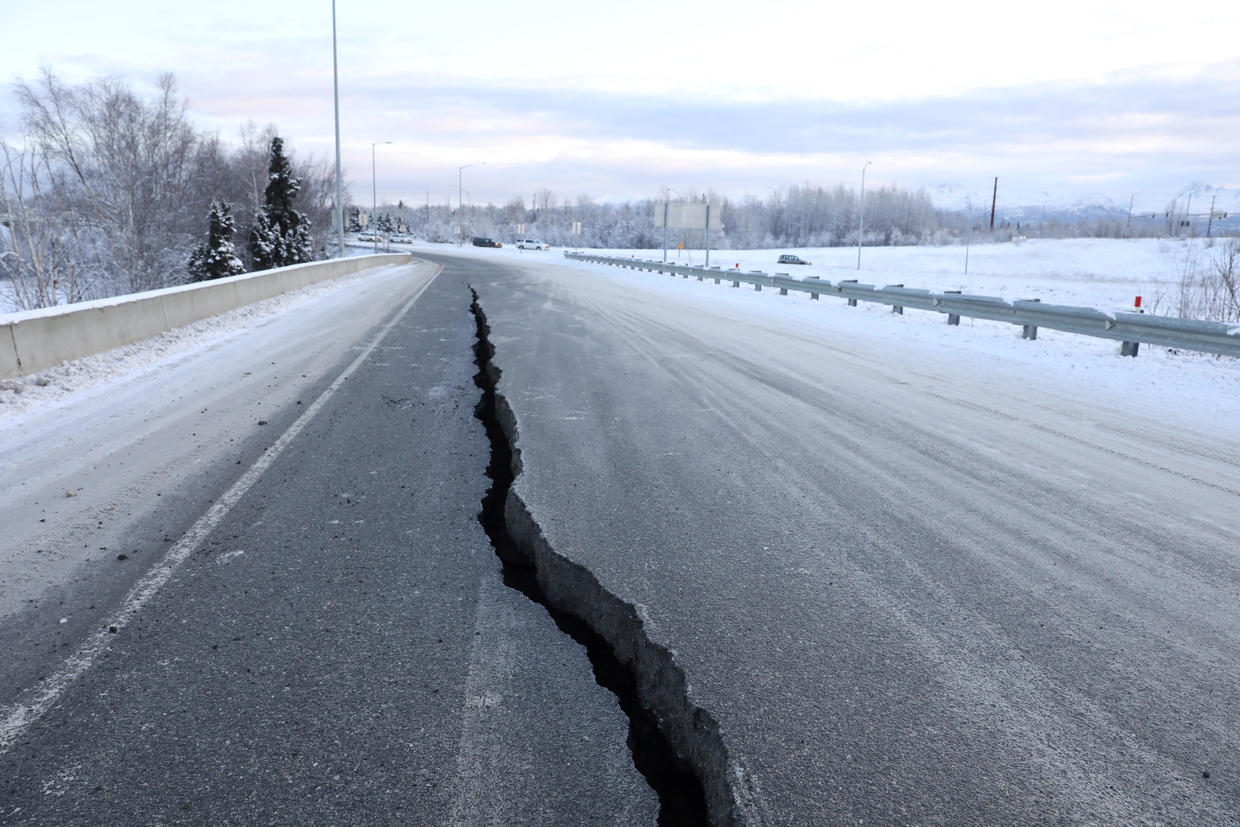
(1131, 329)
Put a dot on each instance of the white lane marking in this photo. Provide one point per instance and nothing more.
(18, 717)
(481, 753)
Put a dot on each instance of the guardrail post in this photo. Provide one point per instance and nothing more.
(1029, 331)
(716, 279)
(953, 318)
(783, 291)
(898, 309)
(851, 302)
(736, 283)
(1131, 348)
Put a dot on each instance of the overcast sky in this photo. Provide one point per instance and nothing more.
(1060, 100)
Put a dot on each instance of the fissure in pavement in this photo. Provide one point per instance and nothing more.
(681, 797)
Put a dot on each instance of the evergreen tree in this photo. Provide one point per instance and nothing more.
(281, 234)
(216, 258)
(266, 246)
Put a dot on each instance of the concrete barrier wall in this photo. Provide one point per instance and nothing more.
(8, 353)
(37, 339)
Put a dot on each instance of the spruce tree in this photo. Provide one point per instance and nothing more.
(215, 258)
(281, 234)
(266, 246)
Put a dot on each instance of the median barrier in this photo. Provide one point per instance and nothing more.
(37, 339)
(8, 353)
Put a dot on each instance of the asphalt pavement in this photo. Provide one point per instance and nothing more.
(857, 584)
(893, 590)
(341, 647)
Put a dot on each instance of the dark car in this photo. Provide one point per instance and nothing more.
(479, 241)
(787, 259)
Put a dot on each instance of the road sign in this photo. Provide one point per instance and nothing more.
(685, 215)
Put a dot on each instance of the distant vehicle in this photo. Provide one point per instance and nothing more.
(787, 259)
(369, 237)
(532, 244)
(479, 241)
(401, 239)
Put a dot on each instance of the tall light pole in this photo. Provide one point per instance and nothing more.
(861, 213)
(968, 239)
(460, 204)
(336, 99)
(374, 188)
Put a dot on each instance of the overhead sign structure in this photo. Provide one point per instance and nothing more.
(686, 215)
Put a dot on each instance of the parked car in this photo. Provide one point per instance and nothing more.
(532, 244)
(479, 241)
(401, 239)
(789, 259)
(369, 237)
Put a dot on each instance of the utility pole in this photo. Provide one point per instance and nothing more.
(1210, 222)
(374, 199)
(708, 234)
(336, 99)
(993, 199)
(861, 216)
(665, 229)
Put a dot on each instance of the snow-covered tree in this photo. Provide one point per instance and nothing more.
(281, 234)
(216, 258)
(266, 245)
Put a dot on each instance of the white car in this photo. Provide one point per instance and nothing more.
(369, 237)
(401, 239)
(531, 244)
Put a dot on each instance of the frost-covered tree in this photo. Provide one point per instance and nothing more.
(281, 234)
(215, 258)
(266, 246)
(121, 177)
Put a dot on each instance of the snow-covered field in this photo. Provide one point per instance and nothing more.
(1104, 273)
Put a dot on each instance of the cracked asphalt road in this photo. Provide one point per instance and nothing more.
(907, 592)
(341, 648)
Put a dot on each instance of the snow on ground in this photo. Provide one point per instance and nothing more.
(1089, 272)
(1189, 389)
(43, 390)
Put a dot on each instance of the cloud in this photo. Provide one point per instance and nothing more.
(1135, 130)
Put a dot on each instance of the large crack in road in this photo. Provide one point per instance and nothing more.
(673, 773)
